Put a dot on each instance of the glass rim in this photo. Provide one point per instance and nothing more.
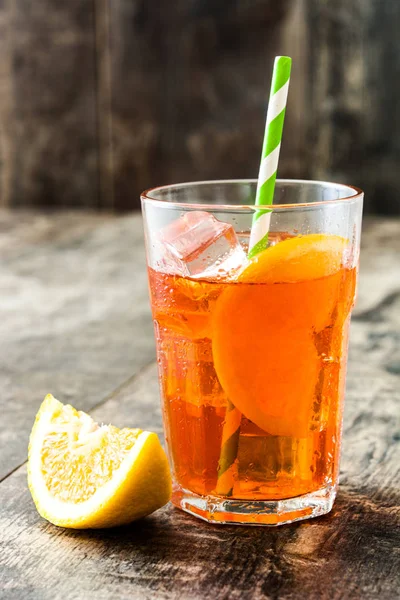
(146, 196)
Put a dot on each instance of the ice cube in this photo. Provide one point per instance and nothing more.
(198, 245)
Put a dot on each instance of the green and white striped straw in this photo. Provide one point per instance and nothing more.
(270, 152)
(227, 465)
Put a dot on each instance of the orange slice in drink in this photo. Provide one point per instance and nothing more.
(263, 328)
(297, 259)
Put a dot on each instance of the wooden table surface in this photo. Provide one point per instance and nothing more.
(75, 321)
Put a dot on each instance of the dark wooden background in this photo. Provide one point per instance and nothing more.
(100, 99)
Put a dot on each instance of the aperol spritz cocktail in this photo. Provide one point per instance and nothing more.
(266, 337)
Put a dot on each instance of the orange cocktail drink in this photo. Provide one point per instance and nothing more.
(268, 340)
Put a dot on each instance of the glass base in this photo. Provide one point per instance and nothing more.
(271, 513)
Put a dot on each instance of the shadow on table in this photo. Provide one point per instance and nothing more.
(350, 547)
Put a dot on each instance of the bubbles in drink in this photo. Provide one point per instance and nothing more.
(287, 447)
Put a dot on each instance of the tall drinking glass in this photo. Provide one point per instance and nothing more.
(252, 353)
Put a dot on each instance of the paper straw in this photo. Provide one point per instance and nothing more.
(270, 152)
(227, 465)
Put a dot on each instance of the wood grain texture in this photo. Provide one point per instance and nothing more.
(6, 109)
(75, 317)
(354, 126)
(352, 553)
(349, 554)
(189, 90)
(100, 100)
(48, 104)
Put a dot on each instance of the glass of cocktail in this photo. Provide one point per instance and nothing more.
(252, 351)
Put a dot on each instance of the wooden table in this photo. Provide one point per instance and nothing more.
(75, 321)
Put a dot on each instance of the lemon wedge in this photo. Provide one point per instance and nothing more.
(84, 475)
